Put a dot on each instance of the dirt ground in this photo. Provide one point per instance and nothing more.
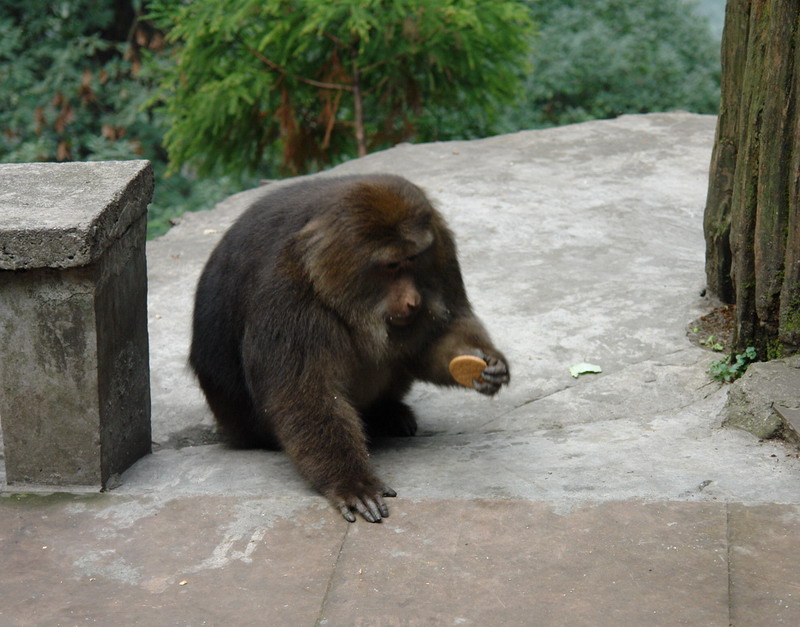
(714, 331)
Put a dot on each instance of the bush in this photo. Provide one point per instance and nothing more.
(307, 83)
(604, 58)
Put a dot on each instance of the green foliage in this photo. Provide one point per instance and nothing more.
(73, 85)
(309, 83)
(95, 79)
(604, 58)
(726, 370)
(67, 92)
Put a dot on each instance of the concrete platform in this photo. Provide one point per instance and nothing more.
(603, 500)
(222, 560)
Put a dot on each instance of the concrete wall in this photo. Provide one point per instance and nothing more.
(74, 373)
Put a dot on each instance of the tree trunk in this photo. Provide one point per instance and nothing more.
(752, 216)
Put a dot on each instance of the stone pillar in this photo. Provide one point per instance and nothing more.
(74, 371)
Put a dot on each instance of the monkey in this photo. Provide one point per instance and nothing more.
(315, 313)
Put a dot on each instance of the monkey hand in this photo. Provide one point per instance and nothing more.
(495, 374)
(368, 502)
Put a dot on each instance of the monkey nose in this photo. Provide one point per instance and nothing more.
(406, 316)
(412, 308)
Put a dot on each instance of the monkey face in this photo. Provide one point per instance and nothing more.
(398, 265)
(403, 300)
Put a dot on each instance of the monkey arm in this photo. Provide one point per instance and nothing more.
(325, 440)
(465, 335)
(300, 394)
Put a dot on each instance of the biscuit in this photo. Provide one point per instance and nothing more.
(466, 369)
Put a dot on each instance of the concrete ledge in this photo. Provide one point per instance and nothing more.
(74, 378)
(64, 215)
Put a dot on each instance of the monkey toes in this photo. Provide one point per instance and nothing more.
(371, 505)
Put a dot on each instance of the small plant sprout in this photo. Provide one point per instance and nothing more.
(712, 343)
(727, 370)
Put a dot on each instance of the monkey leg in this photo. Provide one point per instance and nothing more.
(236, 419)
(389, 418)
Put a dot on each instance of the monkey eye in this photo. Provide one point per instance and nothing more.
(394, 266)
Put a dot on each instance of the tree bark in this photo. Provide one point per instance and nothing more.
(752, 216)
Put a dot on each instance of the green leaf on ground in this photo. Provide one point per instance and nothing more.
(584, 368)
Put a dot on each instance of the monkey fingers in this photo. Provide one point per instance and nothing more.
(373, 509)
(493, 376)
(496, 371)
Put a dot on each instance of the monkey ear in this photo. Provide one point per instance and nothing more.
(310, 238)
(313, 229)
(309, 245)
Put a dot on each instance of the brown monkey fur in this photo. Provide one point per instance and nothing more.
(315, 313)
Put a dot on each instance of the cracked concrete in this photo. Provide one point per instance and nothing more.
(581, 243)
(615, 497)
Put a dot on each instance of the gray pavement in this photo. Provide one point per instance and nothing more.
(611, 498)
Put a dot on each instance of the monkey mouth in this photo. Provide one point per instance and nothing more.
(401, 321)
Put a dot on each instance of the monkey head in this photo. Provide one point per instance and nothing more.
(373, 255)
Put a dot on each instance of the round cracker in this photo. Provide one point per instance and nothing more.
(466, 369)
